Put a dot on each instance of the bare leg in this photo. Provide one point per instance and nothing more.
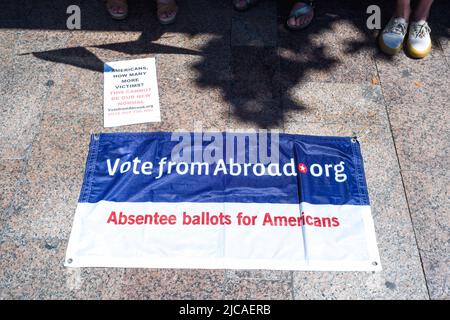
(419, 39)
(402, 9)
(422, 11)
(392, 37)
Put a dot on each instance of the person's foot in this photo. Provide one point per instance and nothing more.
(118, 9)
(300, 17)
(392, 36)
(419, 40)
(166, 11)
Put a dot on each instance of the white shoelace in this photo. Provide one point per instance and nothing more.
(421, 30)
(396, 26)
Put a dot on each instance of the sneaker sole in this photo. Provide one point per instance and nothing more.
(417, 54)
(386, 49)
(167, 22)
(119, 17)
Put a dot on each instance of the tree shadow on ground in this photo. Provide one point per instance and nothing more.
(254, 79)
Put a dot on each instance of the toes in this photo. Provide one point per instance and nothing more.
(118, 10)
(300, 21)
(167, 15)
(292, 21)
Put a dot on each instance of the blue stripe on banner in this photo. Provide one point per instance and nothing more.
(132, 167)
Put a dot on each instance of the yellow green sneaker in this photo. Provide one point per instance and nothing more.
(418, 44)
(392, 36)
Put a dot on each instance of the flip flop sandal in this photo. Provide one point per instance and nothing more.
(111, 5)
(248, 5)
(163, 8)
(305, 10)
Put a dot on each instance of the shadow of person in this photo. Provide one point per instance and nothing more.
(253, 79)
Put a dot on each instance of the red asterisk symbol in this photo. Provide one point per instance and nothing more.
(302, 168)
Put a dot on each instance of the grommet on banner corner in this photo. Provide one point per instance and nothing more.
(374, 263)
(354, 139)
(69, 261)
(96, 136)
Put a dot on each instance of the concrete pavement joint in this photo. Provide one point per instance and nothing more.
(403, 186)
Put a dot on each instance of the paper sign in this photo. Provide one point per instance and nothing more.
(130, 92)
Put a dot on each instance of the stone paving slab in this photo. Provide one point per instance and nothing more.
(256, 27)
(440, 28)
(255, 73)
(21, 104)
(332, 50)
(172, 284)
(199, 43)
(208, 68)
(254, 92)
(334, 102)
(408, 81)
(185, 104)
(30, 269)
(30, 41)
(428, 195)
(11, 173)
(417, 108)
(50, 191)
(256, 113)
(38, 273)
(221, 69)
(422, 135)
(281, 275)
(7, 53)
(257, 289)
(82, 38)
(77, 90)
(445, 44)
(25, 92)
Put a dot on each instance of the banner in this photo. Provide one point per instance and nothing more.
(253, 200)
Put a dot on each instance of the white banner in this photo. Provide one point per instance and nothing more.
(192, 235)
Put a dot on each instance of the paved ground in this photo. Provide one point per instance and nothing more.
(227, 70)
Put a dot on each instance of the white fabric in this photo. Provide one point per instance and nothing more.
(350, 246)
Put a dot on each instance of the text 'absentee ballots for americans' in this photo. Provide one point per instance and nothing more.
(224, 200)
